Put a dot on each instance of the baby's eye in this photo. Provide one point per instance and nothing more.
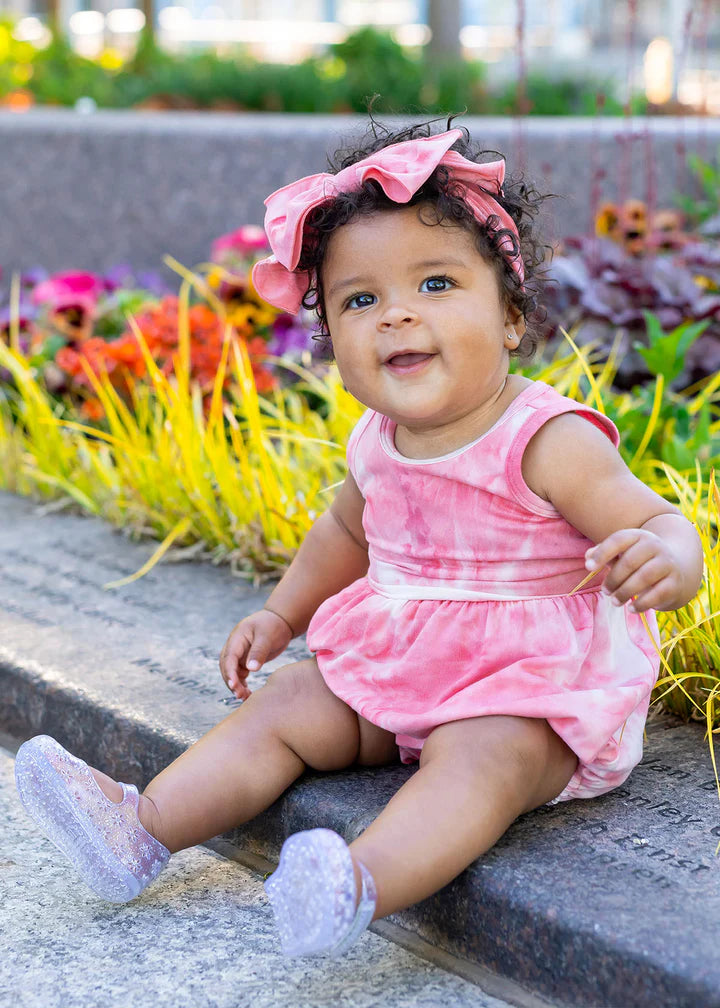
(436, 285)
(360, 301)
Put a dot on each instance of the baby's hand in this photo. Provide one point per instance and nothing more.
(641, 566)
(256, 639)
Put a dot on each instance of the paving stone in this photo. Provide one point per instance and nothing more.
(610, 902)
(203, 935)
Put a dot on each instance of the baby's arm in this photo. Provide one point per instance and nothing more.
(653, 554)
(333, 555)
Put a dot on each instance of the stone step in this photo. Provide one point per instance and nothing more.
(109, 156)
(612, 902)
(203, 935)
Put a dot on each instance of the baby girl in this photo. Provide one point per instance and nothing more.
(437, 591)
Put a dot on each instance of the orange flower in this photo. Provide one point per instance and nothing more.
(68, 360)
(92, 409)
(264, 381)
(125, 351)
(123, 361)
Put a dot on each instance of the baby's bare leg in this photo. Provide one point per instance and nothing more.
(475, 778)
(244, 763)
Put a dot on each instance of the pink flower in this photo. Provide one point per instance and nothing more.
(245, 240)
(69, 290)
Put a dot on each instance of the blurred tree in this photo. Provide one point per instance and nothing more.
(444, 23)
(53, 15)
(148, 9)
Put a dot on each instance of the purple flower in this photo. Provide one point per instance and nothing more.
(119, 276)
(153, 282)
(289, 341)
(26, 313)
(32, 277)
(292, 335)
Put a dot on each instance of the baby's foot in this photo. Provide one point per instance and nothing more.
(102, 837)
(109, 787)
(314, 895)
(147, 811)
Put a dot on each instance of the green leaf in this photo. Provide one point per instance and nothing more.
(52, 344)
(665, 354)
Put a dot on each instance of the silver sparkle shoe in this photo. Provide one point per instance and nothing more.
(103, 840)
(313, 895)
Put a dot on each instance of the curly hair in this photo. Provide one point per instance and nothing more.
(518, 198)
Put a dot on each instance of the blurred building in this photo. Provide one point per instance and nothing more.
(601, 38)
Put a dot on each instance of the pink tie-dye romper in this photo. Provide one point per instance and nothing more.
(466, 610)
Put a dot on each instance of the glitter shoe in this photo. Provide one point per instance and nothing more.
(313, 895)
(104, 841)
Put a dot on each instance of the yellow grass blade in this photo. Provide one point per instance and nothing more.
(15, 313)
(72, 491)
(87, 429)
(587, 578)
(180, 529)
(665, 664)
(196, 280)
(597, 395)
(652, 422)
(709, 721)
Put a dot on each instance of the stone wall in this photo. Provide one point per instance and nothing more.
(92, 191)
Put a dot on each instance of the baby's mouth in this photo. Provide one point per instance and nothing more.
(407, 361)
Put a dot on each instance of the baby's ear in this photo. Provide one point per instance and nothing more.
(515, 318)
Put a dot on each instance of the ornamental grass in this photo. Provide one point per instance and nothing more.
(238, 480)
(235, 476)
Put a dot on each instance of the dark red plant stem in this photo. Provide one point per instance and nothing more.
(705, 35)
(522, 104)
(626, 157)
(680, 143)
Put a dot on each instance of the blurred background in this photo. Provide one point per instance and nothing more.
(547, 57)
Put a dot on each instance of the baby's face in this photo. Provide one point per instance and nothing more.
(417, 323)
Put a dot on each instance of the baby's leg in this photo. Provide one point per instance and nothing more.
(476, 777)
(246, 761)
(226, 778)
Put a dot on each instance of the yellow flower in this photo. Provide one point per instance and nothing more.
(606, 221)
(265, 316)
(242, 314)
(214, 277)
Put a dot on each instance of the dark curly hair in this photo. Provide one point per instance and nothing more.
(520, 199)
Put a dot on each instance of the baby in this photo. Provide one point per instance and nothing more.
(438, 590)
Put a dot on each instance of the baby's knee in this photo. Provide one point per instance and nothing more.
(292, 682)
(318, 726)
(539, 763)
(522, 751)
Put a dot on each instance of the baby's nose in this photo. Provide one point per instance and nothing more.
(397, 315)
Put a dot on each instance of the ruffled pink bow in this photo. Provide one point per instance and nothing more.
(400, 170)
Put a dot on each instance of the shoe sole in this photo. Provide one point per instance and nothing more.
(304, 892)
(46, 800)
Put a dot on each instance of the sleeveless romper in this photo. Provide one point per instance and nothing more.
(465, 609)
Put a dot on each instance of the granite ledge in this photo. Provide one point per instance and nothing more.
(608, 903)
(500, 914)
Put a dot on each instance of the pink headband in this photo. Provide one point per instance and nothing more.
(401, 170)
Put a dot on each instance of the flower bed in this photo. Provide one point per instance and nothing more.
(211, 422)
(75, 323)
(603, 287)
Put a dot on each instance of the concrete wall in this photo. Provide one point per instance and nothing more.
(92, 191)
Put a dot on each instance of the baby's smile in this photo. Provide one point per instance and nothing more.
(407, 361)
